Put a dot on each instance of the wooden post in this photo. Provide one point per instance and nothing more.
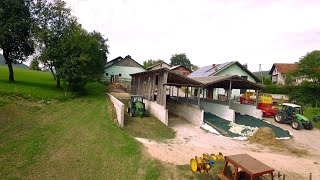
(198, 95)
(257, 98)
(164, 96)
(177, 93)
(230, 92)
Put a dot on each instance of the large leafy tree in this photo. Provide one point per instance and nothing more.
(51, 18)
(309, 66)
(151, 62)
(15, 32)
(84, 56)
(180, 59)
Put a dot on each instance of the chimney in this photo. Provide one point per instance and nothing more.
(214, 67)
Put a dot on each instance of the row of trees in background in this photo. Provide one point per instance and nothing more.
(308, 92)
(60, 43)
(176, 59)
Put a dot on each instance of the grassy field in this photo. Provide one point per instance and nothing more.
(75, 138)
(35, 84)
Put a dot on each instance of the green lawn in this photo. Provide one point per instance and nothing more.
(35, 84)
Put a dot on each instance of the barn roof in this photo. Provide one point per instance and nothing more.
(224, 82)
(174, 79)
(214, 69)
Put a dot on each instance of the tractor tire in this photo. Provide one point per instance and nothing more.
(131, 113)
(279, 117)
(309, 125)
(296, 124)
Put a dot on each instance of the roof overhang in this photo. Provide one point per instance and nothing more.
(225, 81)
(174, 79)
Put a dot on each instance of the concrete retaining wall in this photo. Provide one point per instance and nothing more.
(119, 107)
(189, 112)
(157, 110)
(246, 109)
(220, 110)
(212, 106)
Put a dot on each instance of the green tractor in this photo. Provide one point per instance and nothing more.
(136, 107)
(293, 114)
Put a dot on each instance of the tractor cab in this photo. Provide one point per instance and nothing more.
(136, 106)
(136, 98)
(292, 109)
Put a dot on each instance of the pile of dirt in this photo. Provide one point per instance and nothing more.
(116, 87)
(265, 136)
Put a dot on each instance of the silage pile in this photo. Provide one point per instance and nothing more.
(265, 136)
(242, 130)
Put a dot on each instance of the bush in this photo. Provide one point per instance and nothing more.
(275, 89)
(306, 93)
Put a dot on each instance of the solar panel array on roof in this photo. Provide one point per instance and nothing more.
(206, 71)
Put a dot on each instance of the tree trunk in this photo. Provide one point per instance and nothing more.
(9, 62)
(11, 77)
(54, 76)
(58, 82)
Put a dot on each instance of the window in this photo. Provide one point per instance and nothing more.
(107, 74)
(119, 75)
(244, 77)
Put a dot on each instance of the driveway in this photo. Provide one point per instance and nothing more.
(192, 141)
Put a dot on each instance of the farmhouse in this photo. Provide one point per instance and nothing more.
(181, 69)
(279, 72)
(119, 70)
(225, 69)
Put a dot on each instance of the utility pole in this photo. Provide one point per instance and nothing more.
(260, 73)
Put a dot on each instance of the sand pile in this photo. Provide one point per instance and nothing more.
(265, 136)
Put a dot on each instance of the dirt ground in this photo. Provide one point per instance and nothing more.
(192, 141)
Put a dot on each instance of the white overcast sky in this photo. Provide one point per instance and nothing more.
(208, 31)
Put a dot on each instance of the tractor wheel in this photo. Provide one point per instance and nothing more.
(279, 117)
(308, 125)
(131, 113)
(296, 124)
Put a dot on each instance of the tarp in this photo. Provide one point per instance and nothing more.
(226, 128)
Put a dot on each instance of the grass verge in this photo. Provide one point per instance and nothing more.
(146, 127)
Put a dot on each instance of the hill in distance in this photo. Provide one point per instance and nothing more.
(3, 63)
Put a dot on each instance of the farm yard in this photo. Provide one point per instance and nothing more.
(106, 90)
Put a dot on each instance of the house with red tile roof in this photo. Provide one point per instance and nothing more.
(280, 70)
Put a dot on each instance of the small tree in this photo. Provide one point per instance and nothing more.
(180, 59)
(15, 32)
(51, 19)
(84, 56)
(35, 65)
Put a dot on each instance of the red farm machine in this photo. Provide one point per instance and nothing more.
(265, 103)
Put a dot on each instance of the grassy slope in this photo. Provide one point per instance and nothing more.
(36, 84)
(70, 139)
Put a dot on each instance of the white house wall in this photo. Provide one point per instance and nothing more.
(123, 70)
